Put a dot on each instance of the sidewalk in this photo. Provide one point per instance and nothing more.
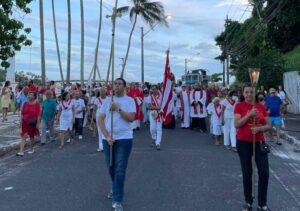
(291, 131)
(10, 134)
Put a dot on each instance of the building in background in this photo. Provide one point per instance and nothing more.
(196, 76)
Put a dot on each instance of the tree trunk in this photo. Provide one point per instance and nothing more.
(128, 48)
(43, 66)
(82, 45)
(69, 42)
(98, 41)
(57, 46)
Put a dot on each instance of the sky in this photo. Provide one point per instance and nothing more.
(192, 28)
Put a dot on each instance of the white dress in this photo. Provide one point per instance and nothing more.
(66, 116)
(216, 120)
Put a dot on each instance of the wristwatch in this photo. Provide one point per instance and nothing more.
(119, 111)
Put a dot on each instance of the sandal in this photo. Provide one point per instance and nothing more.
(247, 207)
(61, 147)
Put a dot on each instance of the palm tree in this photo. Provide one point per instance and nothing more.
(56, 41)
(82, 44)
(151, 12)
(43, 66)
(69, 42)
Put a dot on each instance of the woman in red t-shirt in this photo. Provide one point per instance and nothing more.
(244, 113)
(30, 121)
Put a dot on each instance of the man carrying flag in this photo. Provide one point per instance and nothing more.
(161, 106)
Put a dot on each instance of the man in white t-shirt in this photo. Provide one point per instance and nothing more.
(79, 109)
(123, 110)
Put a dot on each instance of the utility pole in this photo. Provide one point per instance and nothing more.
(227, 66)
(223, 62)
(142, 54)
(227, 56)
(185, 71)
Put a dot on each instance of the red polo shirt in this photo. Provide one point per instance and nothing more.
(244, 133)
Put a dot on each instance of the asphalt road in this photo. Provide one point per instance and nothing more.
(189, 173)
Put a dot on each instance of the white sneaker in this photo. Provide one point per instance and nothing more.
(117, 206)
(69, 140)
(31, 151)
(80, 137)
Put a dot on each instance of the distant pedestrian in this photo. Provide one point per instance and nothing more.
(216, 120)
(228, 120)
(244, 113)
(273, 104)
(48, 117)
(79, 106)
(18, 98)
(123, 109)
(66, 118)
(156, 117)
(5, 99)
(24, 96)
(98, 102)
(284, 98)
(30, 121)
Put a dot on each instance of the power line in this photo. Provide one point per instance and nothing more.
(229, 9)
(110, 10)
(259, 26)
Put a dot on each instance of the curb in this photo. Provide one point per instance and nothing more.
(291, 140)
(12, 146)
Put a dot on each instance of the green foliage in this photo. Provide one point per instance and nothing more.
(261, 40)
(216, 77)
(293, 59)
(13, 35)
(22, 77)
(2, 75)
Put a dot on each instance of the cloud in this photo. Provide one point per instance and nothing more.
(231, 2)
(205, 46)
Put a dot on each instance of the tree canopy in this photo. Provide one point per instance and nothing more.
(261, 40)
(13, 34)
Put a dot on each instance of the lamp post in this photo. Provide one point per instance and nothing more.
(254, 76)
(168, 17)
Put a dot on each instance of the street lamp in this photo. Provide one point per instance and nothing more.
(168, 17)
(254, 76)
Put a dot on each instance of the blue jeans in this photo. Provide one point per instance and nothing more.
(121, 152)
(78, 125)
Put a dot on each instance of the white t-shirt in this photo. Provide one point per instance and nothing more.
(79, 105)
(121, 127)
(92, 102)
(228, 113)
(66, 109)
(68, 88)
(210, 108)
(98, 101)
(147, 100)
(281, 95)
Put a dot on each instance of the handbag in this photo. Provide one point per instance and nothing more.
(264, 148)
(32, 122)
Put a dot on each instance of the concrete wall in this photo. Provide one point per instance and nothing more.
(291, 82)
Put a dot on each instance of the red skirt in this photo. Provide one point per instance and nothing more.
(29, 130)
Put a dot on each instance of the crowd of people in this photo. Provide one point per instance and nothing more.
(222, 112)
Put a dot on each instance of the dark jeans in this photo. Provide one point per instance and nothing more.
(198, 123)
(245, 150)
(117, 172)
(78, 126)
